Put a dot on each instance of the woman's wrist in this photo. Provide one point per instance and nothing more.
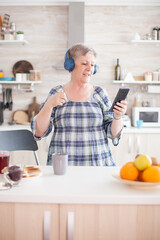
(116, 118)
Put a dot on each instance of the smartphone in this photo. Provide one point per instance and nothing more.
(121, 95)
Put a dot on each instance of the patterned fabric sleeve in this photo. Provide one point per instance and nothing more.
(33, 123)
(103, 100)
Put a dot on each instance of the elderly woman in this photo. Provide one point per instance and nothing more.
(79, 113)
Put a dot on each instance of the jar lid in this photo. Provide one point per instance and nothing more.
(32, 71)
(148, 72)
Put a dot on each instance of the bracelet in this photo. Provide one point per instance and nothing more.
(116, 118)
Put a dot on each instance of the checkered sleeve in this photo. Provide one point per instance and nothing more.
(105, 104)
(49, 129)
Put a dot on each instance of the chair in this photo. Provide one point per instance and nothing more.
(15, 140)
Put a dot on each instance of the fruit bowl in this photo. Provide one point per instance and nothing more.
(137, 184)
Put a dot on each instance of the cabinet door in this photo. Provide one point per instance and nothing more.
(84, 225)
(30, 219)
(147, 144)
(7, 221)
(116, 222)
(124, 151)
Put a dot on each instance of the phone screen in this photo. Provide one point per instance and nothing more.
(121, 95)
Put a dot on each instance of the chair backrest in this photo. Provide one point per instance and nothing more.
(15, 140)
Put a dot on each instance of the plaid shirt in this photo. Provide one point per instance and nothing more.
(82, 130)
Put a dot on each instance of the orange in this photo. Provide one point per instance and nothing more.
(140, 176)
(129, 171)
(151, 174)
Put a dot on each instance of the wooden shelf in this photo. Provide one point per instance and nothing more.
(7, 42)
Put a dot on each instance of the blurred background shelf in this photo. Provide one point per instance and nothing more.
(136, 82)
(7, 42)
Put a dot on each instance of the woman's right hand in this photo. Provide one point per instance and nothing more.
(57, 99)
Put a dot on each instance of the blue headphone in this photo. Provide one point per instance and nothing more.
(69, 63)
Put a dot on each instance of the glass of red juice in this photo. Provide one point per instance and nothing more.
(4, 160)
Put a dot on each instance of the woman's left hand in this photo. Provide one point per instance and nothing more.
(120, 109)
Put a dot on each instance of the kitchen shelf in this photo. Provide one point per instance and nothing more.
(21, 83)
(7, 42)
(156, 42)
(18, 84)
(136, 82)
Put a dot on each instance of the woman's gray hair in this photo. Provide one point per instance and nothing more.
(80, 50)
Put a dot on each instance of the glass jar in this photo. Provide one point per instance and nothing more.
(148, 76)
(35, 75)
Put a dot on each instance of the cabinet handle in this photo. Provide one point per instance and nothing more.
(70, 227)
(129, 144)
(46, 225)
(138, 144)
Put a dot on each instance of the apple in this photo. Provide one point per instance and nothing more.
(142, 162)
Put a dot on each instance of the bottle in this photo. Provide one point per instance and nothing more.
(117, 71)
(155, 33)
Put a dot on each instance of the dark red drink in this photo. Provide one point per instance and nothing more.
(4, 161)
(15, 173)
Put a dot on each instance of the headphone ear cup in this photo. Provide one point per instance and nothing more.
(68, 63)
(95, 69)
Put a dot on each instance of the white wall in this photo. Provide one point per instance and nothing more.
(46, 29)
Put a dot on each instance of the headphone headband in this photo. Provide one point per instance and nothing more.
(69, 63)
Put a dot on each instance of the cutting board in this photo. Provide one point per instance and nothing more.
(20, 117)
(33, 109)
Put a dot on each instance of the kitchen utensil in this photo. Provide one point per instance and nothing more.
(21, 117)
(7, 97)
(1, 112)
(33, 109)
(22, 66)
(10, 99)
(4, 106)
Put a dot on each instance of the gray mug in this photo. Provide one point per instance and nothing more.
(60, 163)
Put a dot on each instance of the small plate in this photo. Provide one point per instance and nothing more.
(137, 184)
(5, 185)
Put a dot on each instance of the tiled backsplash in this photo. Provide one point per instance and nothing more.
(108, 29)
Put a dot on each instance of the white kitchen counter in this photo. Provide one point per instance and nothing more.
(81, 185)
(141, 130)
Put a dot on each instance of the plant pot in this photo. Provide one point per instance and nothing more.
(19, 36)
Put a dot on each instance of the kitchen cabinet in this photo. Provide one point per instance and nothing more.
(132, 144)
(29, 221)
(91, 221)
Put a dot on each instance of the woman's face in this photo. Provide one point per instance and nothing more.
(84, 68)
